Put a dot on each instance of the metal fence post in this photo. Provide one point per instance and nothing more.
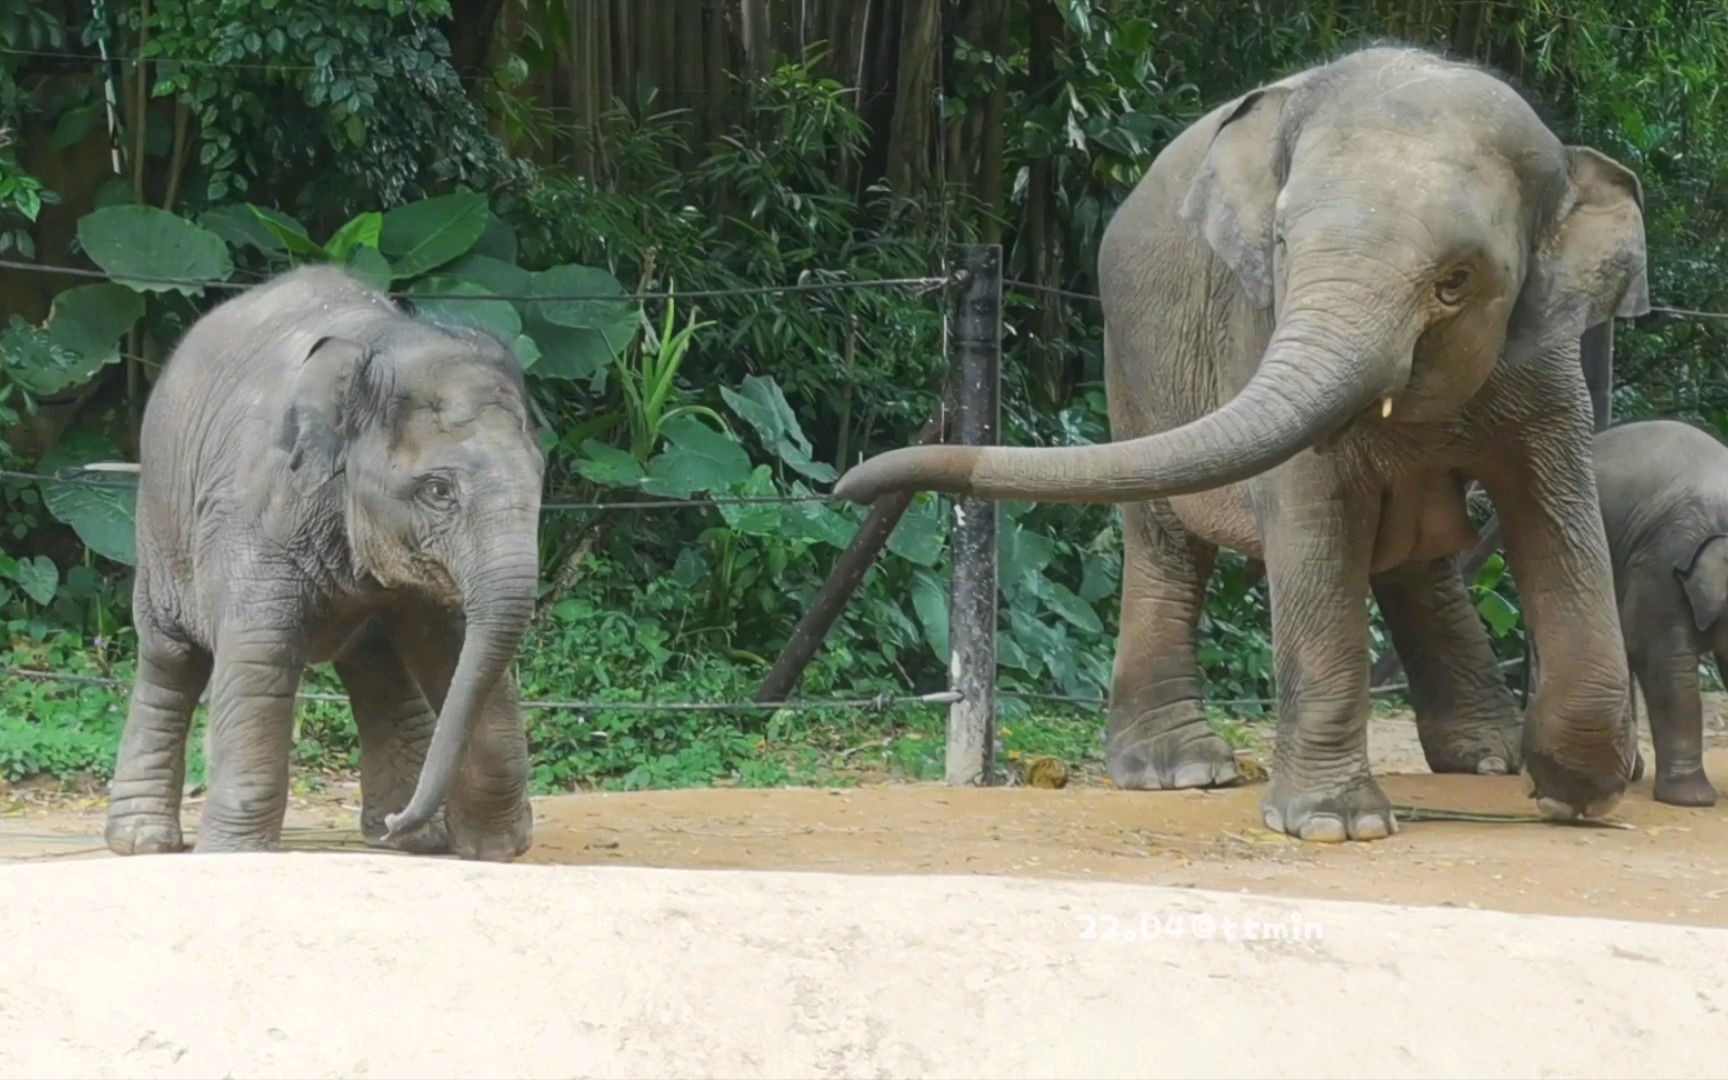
(977, 347)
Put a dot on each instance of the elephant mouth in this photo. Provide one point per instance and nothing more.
(1383, 409)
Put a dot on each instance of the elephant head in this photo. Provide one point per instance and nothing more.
(428, 428)
(1407, 225)
(1704, 579)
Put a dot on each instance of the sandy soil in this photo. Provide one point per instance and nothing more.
(1660, 864)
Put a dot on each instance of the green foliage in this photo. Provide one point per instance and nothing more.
(300, 132)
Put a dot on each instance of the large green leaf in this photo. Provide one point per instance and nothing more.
(370, 266)
(1071, 608)
(245, 225)
(930, 600)
(425, 235)
(918, 537)
(362, 231)
(447, 300)
(140, 246)
(578, 338)
(102, 512)
(497, 275)
(290, 234)
(608, 466)
(763, 405)
(82, 335)
(699, 459)
(815, 522)
(498, 241)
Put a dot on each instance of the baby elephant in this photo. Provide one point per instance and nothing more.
(325, 478)
(1664, 491)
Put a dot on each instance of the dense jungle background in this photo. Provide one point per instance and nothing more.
(461, 148)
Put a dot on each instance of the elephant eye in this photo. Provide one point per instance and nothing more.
(436, 490)
(1451, 287)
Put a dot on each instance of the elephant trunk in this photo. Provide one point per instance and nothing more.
(497, 593)
(1332, 355)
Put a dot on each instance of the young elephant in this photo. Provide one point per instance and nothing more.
(1663, 486)
(325, 478)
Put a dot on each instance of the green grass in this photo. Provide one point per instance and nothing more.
(69, 731)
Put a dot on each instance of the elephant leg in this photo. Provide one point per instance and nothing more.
(1664, 655)
(1544, 491)
(488, 815)
(1158, 736)
(395, 724)
(257, 675)
(1466, 718)
(1318, 537)
(150, 772)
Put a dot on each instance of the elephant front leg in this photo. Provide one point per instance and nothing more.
(1466, 718)
(1318, 542)
(1545, 495)
(488, 815)
(1158, 737)
(395, 723)
(150, 771)
(257, 675)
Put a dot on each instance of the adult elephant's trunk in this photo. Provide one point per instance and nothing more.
(1326, 363)
(497, 592)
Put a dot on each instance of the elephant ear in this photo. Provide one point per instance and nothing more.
(1591, 266)
(1704, 577)
(1233, 195)
(313, 423)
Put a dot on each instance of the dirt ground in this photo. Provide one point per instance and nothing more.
(1651, 862)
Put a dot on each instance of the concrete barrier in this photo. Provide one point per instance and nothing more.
(316, 965)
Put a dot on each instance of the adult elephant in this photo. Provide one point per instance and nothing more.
(326, 478)
(1329, 303)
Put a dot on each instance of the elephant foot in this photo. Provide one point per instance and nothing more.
(431, 838)
(1489, 747)
(1354, 810)
(1691, 788)
(143, 834)
(1190, 755)
(219, 843)
(482, 839)
(1566, 793)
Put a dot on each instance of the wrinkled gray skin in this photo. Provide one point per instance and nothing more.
(324, 478)
(1390, 231)
(1663, 487)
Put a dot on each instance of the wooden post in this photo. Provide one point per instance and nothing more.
(977, 339)
(1596, 356)
(844, 579)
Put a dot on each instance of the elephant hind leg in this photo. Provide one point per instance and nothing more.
(1158, 737)
(1466, 718)
(395, 723)
(1665, 668)
(150, 771)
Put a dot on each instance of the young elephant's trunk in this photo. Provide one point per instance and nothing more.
(1319, 371)
(498, 601)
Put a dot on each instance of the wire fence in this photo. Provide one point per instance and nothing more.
(1035, 288)
(98, 476)
(877, 702)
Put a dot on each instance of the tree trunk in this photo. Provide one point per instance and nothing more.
(914, 99)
